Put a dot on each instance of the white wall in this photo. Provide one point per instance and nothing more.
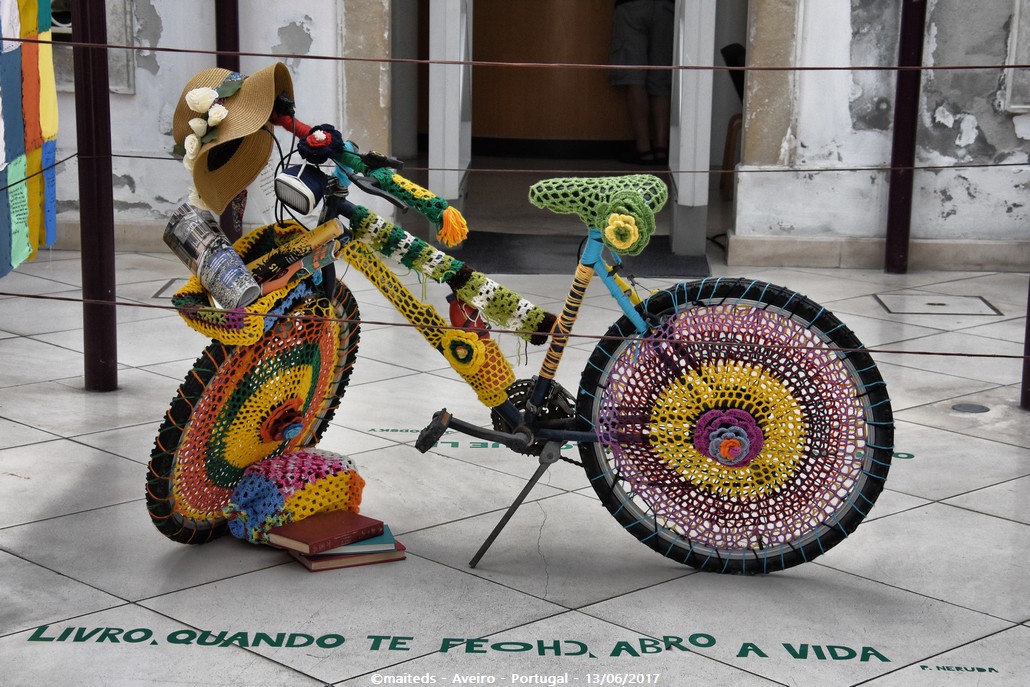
(146, 190)
(982, 207)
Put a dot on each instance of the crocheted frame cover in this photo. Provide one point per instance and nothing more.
(480, 362)
(499, 305)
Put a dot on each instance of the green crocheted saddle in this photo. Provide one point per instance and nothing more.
(622, 208)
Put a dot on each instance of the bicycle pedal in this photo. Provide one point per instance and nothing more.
(428, 437)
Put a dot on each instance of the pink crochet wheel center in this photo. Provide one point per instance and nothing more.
(733, 427)
(731, 437)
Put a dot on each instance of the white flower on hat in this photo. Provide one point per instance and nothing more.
(199, 126)
(216, 114)
(188, 163)
(192, 145)
(201, 99)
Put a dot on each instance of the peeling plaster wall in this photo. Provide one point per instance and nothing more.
(839, 120)
(147, 190)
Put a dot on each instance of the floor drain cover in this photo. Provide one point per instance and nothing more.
(933, 304)
(970, 408)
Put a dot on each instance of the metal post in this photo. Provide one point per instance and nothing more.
(96, 195)
(906, 118)
(227, 40)
(1024, 398)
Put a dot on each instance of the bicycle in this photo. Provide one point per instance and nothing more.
(729, 424)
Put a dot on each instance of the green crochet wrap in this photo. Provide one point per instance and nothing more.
(623, 207)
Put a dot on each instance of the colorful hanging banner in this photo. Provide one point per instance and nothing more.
(28, 132)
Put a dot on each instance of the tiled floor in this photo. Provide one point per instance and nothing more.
(931, 590)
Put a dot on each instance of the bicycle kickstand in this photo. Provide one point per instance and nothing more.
(548, 457)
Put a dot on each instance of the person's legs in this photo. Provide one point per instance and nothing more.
(639, 114)
(660, 106)
(630, 47)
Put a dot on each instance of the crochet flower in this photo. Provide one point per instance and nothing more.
(201, 99)
(464, 351)
(321, 143)
(621, 232)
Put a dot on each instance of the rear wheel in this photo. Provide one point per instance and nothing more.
(240, 404)
(744, 432)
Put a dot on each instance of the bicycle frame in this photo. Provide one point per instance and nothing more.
(731, 425)
(430, 324)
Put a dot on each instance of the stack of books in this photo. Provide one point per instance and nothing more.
(338, 539)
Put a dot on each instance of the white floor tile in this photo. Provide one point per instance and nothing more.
(25, 361)
(408, 402)
(135, 442)
(412, 491)
(891, 502)
(55, 478)
(589, 649)
(33, 595)
(910, 387)
(1000, 287)
(784, 612)
(1005, 500)
(933, 577)
(64, 407)
(152, 654)
(127, 556)
(998, 659)
(1005, 421)
(870, 307)
(17, 434)
(145, 342)
(974, 359)
(355, 603)
(1013, 330)
(968, 559)
(944, 464)
(566, 549)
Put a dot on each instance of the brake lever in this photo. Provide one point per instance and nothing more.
(372, 187)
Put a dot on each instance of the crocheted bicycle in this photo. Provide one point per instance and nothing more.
(729, 424)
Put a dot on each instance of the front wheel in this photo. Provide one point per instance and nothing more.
(745, 432)
(241, 404)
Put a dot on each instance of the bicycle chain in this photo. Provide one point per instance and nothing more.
(559, 405)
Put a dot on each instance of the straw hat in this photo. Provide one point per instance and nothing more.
(230, 147)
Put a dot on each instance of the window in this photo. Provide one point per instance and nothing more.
(121, 64)
(1017, 81)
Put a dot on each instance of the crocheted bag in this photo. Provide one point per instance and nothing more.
(290, 487)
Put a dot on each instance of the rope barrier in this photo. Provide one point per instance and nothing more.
(528, 65)
(492, 330)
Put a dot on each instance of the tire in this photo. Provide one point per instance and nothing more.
(743, 433)
(240, 404)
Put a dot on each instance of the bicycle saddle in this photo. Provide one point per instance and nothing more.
(622, 207)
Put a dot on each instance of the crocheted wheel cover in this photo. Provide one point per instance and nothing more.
(261, 403)
(283, 489)
(750, 439)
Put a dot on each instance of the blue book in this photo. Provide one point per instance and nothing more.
(384, 542)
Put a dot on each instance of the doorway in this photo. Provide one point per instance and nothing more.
(527, 120)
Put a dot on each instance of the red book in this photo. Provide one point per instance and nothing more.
(324, 531)
(332, 561)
